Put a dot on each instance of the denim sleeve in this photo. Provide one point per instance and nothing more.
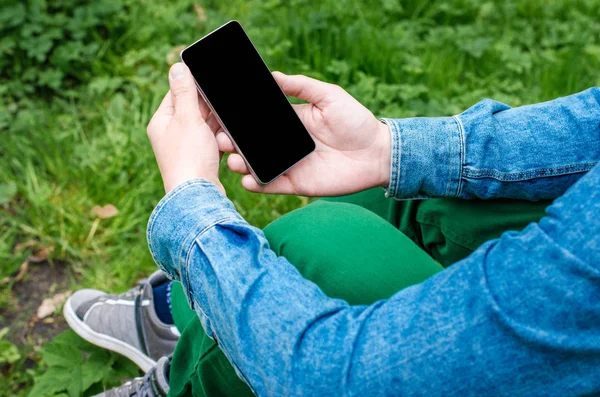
(493, 151)
(520, 316)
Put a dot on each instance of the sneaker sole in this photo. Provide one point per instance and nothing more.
(108, 342)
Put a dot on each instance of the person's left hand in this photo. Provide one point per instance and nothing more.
(182, 133)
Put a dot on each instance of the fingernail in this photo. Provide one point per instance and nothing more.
(178, 71)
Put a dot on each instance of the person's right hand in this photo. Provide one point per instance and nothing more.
(352, 147)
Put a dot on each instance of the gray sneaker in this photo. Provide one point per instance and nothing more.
(126, 323)
(154, 384)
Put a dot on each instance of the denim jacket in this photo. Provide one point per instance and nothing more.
(519, 316)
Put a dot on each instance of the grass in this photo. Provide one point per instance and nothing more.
(74, 137)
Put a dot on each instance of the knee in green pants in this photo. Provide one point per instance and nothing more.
(450, 229)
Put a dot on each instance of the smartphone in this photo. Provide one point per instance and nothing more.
(252, 109)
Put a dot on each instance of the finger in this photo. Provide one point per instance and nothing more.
(306, 88)
(303, 110)
(166, 107)
(163, 114)
(237, 164)
(213, 123)
(224, 143)
(204, 108)
(184, 92)
(281, 185)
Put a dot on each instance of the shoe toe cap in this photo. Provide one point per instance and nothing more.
(83, 297)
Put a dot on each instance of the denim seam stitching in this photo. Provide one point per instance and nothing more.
(398, 158)
(462, 150)
(199, 308)
(185, 253)
(527, 175)
(386, 188)
(392, 189)
(450, 164)
(171, 195)
(162, 203)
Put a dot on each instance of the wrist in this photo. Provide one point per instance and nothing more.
(384, 155)
(172, 183)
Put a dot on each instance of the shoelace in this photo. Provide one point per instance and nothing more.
(135, 387)
(132, 293)
(128, 389)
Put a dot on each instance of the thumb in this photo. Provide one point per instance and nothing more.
(306, 88)
(184, 91)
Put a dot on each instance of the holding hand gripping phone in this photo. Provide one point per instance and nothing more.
(246, 100)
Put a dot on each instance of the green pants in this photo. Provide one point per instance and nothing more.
(360, 248)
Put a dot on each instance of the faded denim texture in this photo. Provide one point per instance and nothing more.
(519, 316)
(492, 150)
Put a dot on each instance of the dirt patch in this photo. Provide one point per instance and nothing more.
(43, 280)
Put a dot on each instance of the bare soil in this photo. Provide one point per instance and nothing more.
(42, 280)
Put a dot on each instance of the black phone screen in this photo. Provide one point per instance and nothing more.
(247, 99)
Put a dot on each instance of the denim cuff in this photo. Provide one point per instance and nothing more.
(392, 185)
(182, 215)
(427, 157)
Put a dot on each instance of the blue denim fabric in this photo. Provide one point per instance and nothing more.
(492, 150)
(520, 316)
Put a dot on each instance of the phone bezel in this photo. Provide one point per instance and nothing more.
(260, 182)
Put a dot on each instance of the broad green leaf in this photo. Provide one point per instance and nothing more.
(96, 368)
(122, 367)
(62, 355)
(52, 381)
(69, 337)
(74, 389)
